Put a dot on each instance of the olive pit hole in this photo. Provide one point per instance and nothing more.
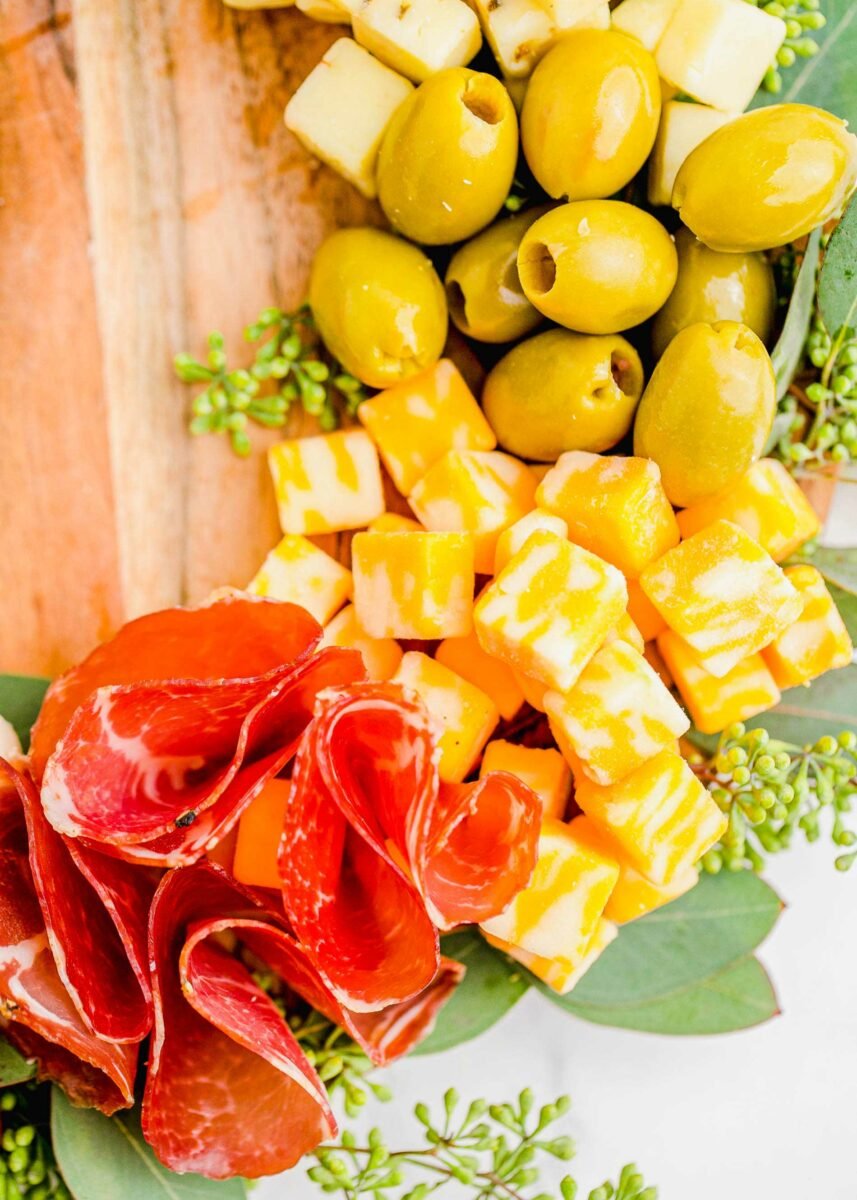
(483, 106)
(456, 302)
(622, 370)
(537, 269)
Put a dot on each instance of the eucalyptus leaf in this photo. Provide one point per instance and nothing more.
(102, 1158)
(837, 283)
(13, 1067)
(788, 352)
(827, 706)
(21, 698)
(492, 986)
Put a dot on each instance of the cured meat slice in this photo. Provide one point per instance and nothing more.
(228, 1091)
(237, 636)
(36, 1012)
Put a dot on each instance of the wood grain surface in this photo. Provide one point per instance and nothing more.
(149, 193)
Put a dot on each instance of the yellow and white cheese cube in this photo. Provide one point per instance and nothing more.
(549, 609)
(342, 109)
(518, 32)
(566, 15)
(327, 483)
(560, 974)
(817, 642)
(463, 716)
(682, 128)
(418, 37)
(511, 540)
(545, 771)
(413, 585)
(534, 692)
(381, 656)
(467, 658)
(301, 573)
(333, 12)
(626, 631)
(644, 20)
(715, 704)
(391, 522)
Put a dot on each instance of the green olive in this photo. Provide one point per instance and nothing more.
(448, 157)
(483, 291)
(378, 305)
(597, 266)
(767, 178)
(562, 391)
(712, 286)
(591, 114)
(707, 410)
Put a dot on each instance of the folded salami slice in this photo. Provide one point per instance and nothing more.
(36, 1011)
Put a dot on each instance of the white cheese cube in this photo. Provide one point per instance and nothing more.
(327, 483)
(719, 50)
(300, 573)
(644, 20)
(333, 12)
(418, 37)
(683, 127)
(342, 109)
(578, 14)
(518, 32)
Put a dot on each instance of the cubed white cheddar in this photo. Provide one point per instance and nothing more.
(418, 37)
(719, 50)
(682, 128)
(381, 656)
(518, 32)
(644, 20)
(463, 716)
(478, 492)
(545, 771)
(626, 631)
(301, 573)
(617, 715)
(413, 585)
(577, 14)
(327, 483)
(560, 974)
(467, 658)
(333, 12)
(549, 609)
(415, 423)
(557, 914)
(342, 109)
(511, 540)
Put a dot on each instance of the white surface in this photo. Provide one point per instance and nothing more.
(767, 1114)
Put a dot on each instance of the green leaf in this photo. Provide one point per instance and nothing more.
(13, 1067)
(20, 700)
(828, 80)
(829, 705)
(102, 1158)
(837, 283)
(846, 602)
(493, 984)
(788, 352)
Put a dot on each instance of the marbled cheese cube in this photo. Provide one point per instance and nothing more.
(682, 128)
(478, 492)
(715, 704)
(464, 717)
(512, 539)
(719, 50)
(413, 585)
(723, 594)
(615, 507)
(347, 81)
(557, 914)
(655, 659)
(415, 423)
(297, 571)
(626, 631)
(643, 613)
(560, 974)
(467, 658)
(644, 20)
(419, 37)
(518, 32)
(663, 818)
(616, 717)
(332, 12)
(391, 522)
(549, 609)
(767, 503)
(381, 656)
(545, 771)
(327, 483)
(817, 641)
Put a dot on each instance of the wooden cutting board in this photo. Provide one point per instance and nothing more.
(149, 193)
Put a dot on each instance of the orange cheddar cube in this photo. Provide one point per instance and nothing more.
(545, 771)
(297, 571)
(415, 423)
(390, 522)
(655, 659)
(511, 540)
(557, 914)
(663, 818)
(643, 613)
(560, 974)
(259, 833)
(381, 656)
(626, 631)
(616, 717)
(549, 609)
(534, 692)
(614, 507)
(715, 704)
(413, 585)
(817, 641)
(467, 658)
(478, 492)
(463, 716)
(327, 483)
(723, 594)
(767, 503)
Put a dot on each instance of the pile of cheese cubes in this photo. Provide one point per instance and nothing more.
(577, 589)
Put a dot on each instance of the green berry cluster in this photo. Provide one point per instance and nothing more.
(291, 366)
(493, 1150)
(824, 413)
(27, 1165)
(772, 791)
(803, 18)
